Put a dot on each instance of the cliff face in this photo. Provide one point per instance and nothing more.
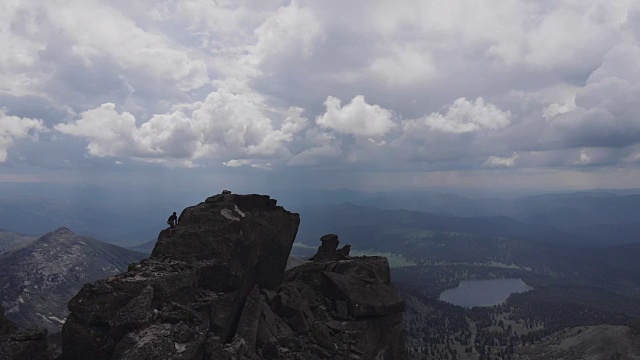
(215, 288)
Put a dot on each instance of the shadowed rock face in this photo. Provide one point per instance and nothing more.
(6, 326)
(241, 236)
(334, 310)
(21, 345)
(214, 289)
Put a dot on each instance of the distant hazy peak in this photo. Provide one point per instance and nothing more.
(62, 231)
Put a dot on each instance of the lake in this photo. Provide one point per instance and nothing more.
(483, 292)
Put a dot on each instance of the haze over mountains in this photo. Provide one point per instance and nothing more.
(9, 239)
(587, 218)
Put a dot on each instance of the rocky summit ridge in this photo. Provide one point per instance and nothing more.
(215, 287)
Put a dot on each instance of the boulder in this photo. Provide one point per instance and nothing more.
(328, 250)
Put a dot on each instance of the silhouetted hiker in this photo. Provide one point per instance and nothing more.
(172, 221)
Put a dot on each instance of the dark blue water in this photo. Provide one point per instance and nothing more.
(483, 292)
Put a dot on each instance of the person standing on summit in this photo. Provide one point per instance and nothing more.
(172, 221)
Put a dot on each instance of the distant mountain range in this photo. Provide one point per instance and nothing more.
(597, 218)
(370, 227)
(9, 239)
(39, 276)
(145, 248)
(587, 218)
(37, 215)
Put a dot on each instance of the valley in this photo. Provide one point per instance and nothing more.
(573, 287)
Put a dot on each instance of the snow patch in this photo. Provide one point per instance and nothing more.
(56, 319)
(46, 319)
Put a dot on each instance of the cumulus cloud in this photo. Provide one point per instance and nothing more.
(494, 161)
(604, 112)
(20, 67)
(291, 29)
(465, 116)
(584, 159)
(57, 52)
(224, 125)
(14, 127)
(356, 118)
(110, 33)
(111, 133)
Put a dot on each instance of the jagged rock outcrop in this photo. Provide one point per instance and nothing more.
(21, 344)
(328, 250)
(216, 288)
(333, 310)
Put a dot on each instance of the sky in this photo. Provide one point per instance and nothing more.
(367, 95)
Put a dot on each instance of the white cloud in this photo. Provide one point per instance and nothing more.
(234, 163)
(566, 105)
(584, 159)
(224, 125)
(48, 40)
(20, 67)
(606, 107)
(110, 33)
(237, 162)
(465, 116)
(13, 127)
(290, 30)
(494, 161)
(111, 133)
(356, 118)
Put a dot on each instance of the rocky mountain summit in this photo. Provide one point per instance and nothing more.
(215, 287)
